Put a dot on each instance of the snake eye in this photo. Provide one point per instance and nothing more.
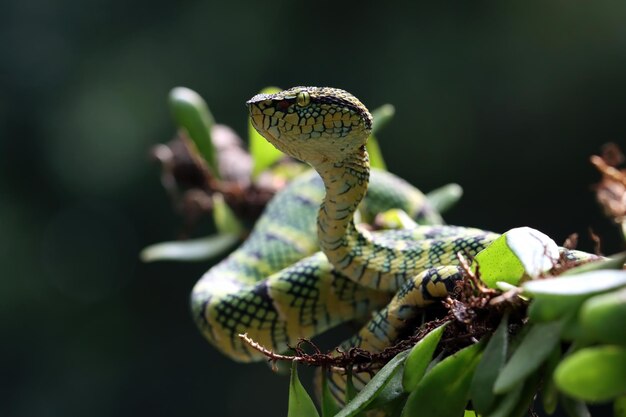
(303, 99)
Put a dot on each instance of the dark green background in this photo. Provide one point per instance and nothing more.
(507, 99)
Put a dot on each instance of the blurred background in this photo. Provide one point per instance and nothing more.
(509, 100)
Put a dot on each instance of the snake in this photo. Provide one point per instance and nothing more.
(308, 265)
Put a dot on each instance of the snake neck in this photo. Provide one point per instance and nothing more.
(353, 252)
(370, 260)
(346, 184)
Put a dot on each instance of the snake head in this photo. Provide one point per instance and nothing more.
(314, 124)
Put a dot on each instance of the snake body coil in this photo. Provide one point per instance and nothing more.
(277, 288)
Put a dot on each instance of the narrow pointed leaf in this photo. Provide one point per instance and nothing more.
(382, 116)
(444, 198)
(527, 396)
(549, 392)
(583, 284)
(375, 154)
(444, 391)
(191, 113)
(225, 220)
(557, 297)
(190, 250)
(392, 392)
(300, 403)
(419, 357)
(264, 154)
(490, 366)
(329, 405)
(507, 403)
(350, 388)
(534, 349)
(374, 387)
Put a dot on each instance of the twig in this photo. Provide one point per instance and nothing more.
(270, 354)
(478, 284)
(357, 359)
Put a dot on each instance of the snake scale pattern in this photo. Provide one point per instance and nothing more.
(296, 276)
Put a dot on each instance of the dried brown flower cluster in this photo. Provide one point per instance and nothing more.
(191, 185)
(611, 190)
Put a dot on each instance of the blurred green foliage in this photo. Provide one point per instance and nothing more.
(506, 99)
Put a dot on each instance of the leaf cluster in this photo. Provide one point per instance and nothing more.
(572, 351)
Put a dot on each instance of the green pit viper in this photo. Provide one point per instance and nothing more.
(279, 287)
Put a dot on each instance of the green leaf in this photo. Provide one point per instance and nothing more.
(526, 397)
(300, 403)
(443, 392)
(191, 113)
(517, 402)
(264, 154)
(593, 374)
(419, 358)
(558, 297)
(550, 308)
(603, 317)
(443, 198)
(588, 283)
(507, 403)
(375, 154)
(549, 392)
(489, 368)
(534, 349)
(520, 253)
(614, 262)
(350, 388)
(574, 408)
(374, 387)
(329, 405)
(382, 116)
(225, 220)
(392, 392)
(189, 250)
